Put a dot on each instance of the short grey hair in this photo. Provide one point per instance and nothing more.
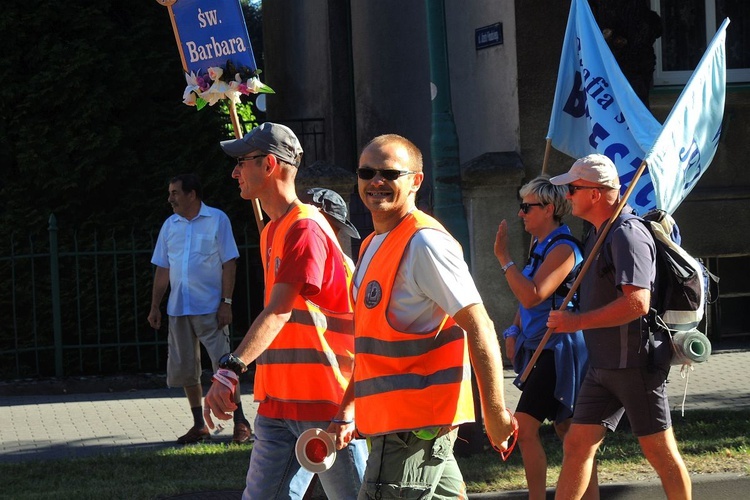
(548, 194)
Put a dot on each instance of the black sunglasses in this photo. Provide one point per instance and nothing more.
(366, 173)
(572, 189)
(248, 158)
(526, 206)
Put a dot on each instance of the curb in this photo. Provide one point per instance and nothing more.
(713, 486)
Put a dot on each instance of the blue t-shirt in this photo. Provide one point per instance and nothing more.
(569, 348)
(534, 320)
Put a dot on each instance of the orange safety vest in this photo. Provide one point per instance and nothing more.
(405, 381)
(311, 358)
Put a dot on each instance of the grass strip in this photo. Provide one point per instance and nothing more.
(711, 442)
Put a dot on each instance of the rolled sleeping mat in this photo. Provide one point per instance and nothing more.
(690, 347)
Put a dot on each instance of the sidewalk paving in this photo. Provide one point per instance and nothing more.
(76, 425)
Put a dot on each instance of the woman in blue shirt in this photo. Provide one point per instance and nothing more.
(541, 285)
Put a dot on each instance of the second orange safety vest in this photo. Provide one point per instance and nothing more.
(311, 359)
(405, 381)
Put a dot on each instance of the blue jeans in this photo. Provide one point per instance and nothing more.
(275, 473)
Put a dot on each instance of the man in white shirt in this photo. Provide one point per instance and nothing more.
(195, 256)
(419, 321)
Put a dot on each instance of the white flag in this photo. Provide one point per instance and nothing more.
(596, 111)
(688, 141)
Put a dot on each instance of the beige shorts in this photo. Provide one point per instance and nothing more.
(184, 354)
(402, 465)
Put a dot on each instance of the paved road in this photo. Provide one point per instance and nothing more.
(76, 425)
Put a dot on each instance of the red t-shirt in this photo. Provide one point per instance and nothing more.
(312, 259)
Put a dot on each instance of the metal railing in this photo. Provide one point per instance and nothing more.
(75, 304)
(311, 134)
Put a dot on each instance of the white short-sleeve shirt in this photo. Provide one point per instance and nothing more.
(194, 252)
(432, 279)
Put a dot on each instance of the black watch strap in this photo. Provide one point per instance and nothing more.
(231, 362)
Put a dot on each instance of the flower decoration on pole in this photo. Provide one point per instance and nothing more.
(218, 83)
(215, 50)
(217, 58)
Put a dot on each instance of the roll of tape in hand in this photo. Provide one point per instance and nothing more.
(315, 450)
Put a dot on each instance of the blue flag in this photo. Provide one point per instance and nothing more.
(688, 141)
(596, 110)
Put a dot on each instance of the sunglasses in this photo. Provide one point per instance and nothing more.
(248, 158)
(512, 439)
(526, 206)
(366, 173)
(572, 189)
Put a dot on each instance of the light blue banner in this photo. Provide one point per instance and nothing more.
(596, 111)
(688, 141)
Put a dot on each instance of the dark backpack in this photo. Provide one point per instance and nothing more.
(682, 291)
(683, 288)
(535, 260)
(679, 298)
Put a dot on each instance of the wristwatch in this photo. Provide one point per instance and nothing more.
(226, 300)
(232, 362)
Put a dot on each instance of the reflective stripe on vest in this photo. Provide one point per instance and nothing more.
(311, 359)
(405, 381)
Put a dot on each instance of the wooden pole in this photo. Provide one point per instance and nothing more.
(547, 149)
(168, 4)
(238, 134)
(544, 170)
(232, 108)
(584, 269)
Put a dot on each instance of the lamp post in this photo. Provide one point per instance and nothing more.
(448, 204)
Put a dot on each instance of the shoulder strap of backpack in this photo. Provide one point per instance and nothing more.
(535, 259)
(651, 323)
(565, 286)
(562, 236)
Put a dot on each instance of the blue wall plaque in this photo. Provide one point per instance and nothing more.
(488, 36)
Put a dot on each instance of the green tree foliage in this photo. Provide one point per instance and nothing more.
(92, 127)
(92, 120)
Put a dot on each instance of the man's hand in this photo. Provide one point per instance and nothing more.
(220, 397)
(499, 427)
(563, 321)
(344, 431)
(224, 315)
(161, 283)
(154, 318)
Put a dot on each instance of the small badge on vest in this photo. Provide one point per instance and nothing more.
(373, 294)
